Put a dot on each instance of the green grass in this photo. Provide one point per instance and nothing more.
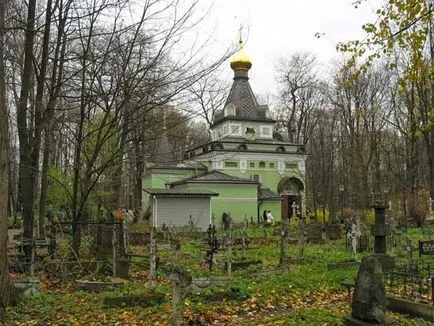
(282, 299)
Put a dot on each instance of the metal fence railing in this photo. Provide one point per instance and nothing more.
(97, 239)
(414, 281)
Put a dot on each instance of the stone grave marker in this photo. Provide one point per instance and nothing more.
(429, 221)
(368, 306)
(379, 231)
(104, 241)
(314, 232)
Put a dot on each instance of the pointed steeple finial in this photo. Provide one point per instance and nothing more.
(241, 63)
(240, 41)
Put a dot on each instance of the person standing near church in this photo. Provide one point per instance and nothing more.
(264, 216)
(270, 217)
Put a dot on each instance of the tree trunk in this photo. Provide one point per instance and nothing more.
(26, 168)
(44, 182)
(39, 114)
(7, 290)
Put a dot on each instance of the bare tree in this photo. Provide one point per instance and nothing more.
(299, 95)
(29, 134)
(6, 287)
(209, 94)
(362, 108)
(124, 75)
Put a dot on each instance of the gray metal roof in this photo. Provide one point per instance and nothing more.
(267, 194)
(185, 165)
(216, 177)
(180, 192)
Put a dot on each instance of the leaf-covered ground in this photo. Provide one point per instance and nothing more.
(305, 294)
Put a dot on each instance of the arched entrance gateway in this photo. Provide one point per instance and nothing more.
(290, 190)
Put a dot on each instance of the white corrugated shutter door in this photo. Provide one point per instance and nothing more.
(176, 211)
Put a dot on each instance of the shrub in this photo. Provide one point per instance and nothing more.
(323, 215)
(367, 216)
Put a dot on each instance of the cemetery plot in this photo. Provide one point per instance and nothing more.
(255, 288)
(426, 247)
(413, 281)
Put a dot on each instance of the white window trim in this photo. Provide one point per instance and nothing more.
(263, 135)
(230, 107)
(225, 132)
(280, 166)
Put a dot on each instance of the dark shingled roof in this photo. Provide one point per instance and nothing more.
(244, 100)
(267, 194)
(180, 192)
(242, 97)
(216, 177)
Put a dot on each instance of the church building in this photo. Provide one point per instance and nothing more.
(245, 169)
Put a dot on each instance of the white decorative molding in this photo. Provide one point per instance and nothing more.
(217, 164)
(280, 166)
(302, 167)
(266, 132)
(243, 166)
(235, 129)
(225, 130)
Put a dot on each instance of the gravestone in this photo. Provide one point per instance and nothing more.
(430, 217)
(379, 231)
(368, 306)
(104, 241)
(334, 229)
(314, 232)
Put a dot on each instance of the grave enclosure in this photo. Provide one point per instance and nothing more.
(226, 255)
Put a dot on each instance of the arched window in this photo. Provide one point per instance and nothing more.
(242, 147)
(217, 146)
(230, 110)
(280, 149)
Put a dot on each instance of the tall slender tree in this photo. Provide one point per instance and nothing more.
(6, 286)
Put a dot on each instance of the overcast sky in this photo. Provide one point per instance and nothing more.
(278, 28)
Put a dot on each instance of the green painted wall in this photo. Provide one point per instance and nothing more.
(270, 179)
(238, 199)
(274, 207)
(157, 178)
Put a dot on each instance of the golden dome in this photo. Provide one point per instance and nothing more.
(240, 60)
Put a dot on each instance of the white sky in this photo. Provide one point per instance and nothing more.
(279, 28)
